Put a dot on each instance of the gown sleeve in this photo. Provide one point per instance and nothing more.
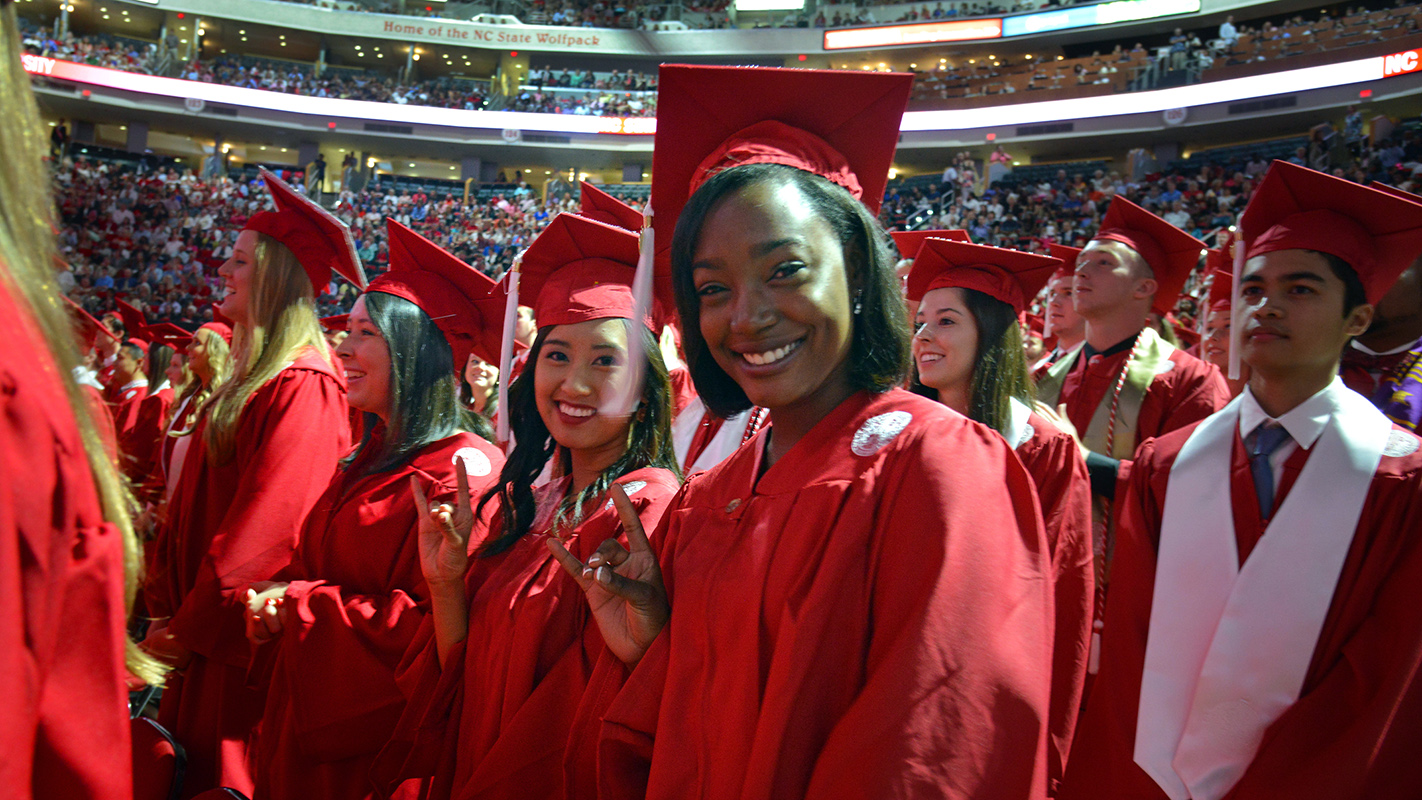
(1064, 489)
(1199, 393)
(955, 692)
(292, 433)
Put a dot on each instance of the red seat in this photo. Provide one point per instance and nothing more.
(221, 794)
(158, 761)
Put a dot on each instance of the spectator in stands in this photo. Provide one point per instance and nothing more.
(1228, 33)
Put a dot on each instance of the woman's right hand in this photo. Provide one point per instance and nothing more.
(623, 585)
(444, 532)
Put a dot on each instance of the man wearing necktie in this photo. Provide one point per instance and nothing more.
(1263, 630)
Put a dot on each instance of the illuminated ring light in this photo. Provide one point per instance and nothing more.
(1199, 94)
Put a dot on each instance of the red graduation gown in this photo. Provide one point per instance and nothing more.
(63, 721)
(181, 419)
(494, 721)
(356, 598)
(870, 619)
(1054, 461)
(144, 444)
(1186, 393)
(1357, 726)
(230, 525)
(128, 422)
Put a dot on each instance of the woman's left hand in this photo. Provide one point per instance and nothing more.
(266, 610)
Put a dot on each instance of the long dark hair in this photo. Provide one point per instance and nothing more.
(649, 444)
(879, 344)
(423, 407)
(999, 364)
(159, 357)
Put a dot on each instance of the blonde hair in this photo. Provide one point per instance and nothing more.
(27, 249)
(281, 324)
(219, 360)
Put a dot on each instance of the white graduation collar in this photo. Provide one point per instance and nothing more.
(1304, 422)
(1362, 348)
(134, 384)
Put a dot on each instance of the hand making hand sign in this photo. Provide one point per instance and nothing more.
(623, 585)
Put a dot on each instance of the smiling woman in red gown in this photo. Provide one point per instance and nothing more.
(264, 452)
(498, 675)
(856, 603)
(346, 609)
(968, 355)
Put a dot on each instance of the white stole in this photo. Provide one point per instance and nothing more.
(1018, 430)
(1229, 647)
(726, 441)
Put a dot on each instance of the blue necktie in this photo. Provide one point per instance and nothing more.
(1267, 439)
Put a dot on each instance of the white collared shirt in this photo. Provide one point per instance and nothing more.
(1304, 422)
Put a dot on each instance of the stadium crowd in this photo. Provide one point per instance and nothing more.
(156, 239)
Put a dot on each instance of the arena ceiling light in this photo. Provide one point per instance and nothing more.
(326, 106)
(1200, 94)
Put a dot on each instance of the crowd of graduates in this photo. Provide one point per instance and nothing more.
(744, 498)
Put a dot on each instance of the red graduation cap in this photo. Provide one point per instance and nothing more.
(1012, 276)
(134, 325)
(579, 269)
(909, 241)
(1219, 266)
(337, 322)
(88, 327)
(1170, 252)
(603, 207)
(1396, 192)
(458, 298)
(1034, 323)
(320, 241)
(1296, 208)
(1067, 255)
(222, 329)
(842, 125)
(169, 334)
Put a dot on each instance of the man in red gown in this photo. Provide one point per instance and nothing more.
(1268, 647)
(131, 387)
(1125, 384)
